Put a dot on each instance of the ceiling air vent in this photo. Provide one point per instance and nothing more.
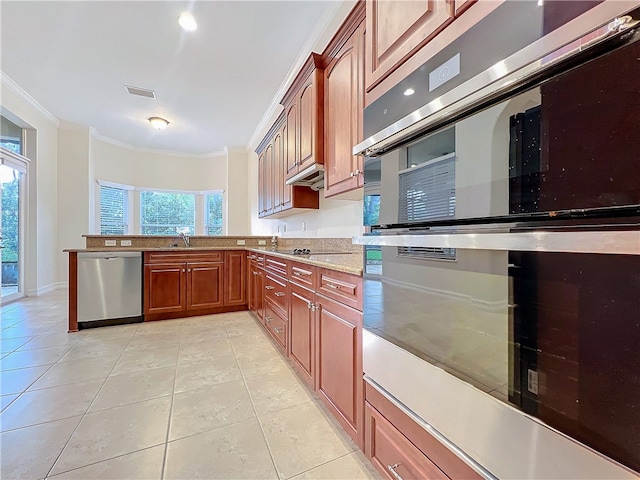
(141, 92)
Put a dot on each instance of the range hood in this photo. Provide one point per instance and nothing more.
(312, 177)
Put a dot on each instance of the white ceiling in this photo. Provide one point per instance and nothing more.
(213, 85)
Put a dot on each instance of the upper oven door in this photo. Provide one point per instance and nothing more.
(567, 147)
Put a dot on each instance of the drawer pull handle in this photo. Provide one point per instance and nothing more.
(335, 287)
(309, 305)
(252, 257)
(300, 274)
(268, 319)
(269, 287)
(255, 273)
(279, 294)
(392, 469)
(278, 329)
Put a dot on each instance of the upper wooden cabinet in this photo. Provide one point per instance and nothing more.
(344, 103)
(397, 29)
(276, 155)
(304, 104)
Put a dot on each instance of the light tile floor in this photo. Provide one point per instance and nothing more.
(202, 397)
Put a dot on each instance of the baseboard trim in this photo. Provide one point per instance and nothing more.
(36, 292)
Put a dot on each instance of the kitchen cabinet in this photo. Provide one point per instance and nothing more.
(275, 197)
(339, 368)
(302, 332)
(392, 438)
(192, 283)
(304, 104)
(235, 274)
(396, 30)
(344, 104)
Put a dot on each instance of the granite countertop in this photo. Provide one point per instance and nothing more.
(344, 262)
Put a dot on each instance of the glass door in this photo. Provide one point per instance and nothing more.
(11, 185)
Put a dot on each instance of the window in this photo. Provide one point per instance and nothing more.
(428, 192)
(213, 213)
(10, 136)
(113, 210)
(163, 213)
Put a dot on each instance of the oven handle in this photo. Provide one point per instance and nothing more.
(605, 242)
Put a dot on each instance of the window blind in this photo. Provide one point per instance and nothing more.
(213, 203)
(113, 211)
(163, 213)
(428, 192)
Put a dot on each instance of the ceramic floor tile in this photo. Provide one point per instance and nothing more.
(16, 381)
(102, 333)
(196, 334)
(10, 344)
(354, 466)
(302, 437)
(31, 452)
(117, 431)
(236, 451)
(146, 359)
(241, 328)
(49, 404)
(135, 387)
(65, 373)
(153, 340)
(142, 465)
(5, 400)
(32, 358)
(275, 391)
(21, 330)
(173, 327)
(207, 372)
(208, 408)
(202, 350)
(261, 362)
(91, 348)
(54, 339)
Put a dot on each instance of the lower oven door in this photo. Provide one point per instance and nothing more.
(546, 322)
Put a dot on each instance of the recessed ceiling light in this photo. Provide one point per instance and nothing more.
(409, 91)
(187, 22)
(158, 123)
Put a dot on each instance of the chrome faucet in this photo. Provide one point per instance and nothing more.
(274, 242)
(184, 234)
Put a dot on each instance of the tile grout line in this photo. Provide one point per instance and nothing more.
(173, 394)
(85, 413)
(255, 412)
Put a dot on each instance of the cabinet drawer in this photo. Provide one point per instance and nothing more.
(255, 259)
(275, 289)
(303, 274)
(340, 286)
(276, 265)
(391, 452)
(276, 325)
(182, 256)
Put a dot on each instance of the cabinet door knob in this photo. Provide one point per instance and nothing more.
(351, 174)
(255, 273)
(183, 270)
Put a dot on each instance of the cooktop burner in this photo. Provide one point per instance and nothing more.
(301, 251)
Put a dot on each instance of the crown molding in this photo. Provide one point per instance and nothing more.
(112, 141)
(24, 95)
(324, 31)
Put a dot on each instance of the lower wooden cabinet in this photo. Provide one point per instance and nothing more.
(302, 332)
(256, 300)
(276, 324)
(193, 283)
(339, 357)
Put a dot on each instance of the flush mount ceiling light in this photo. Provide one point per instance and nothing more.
(409, 91)
(187, 22)
(158, 123)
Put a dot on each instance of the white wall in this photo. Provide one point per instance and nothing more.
(42, 249)
(236, 195)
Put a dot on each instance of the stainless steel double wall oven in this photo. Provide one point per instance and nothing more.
(502, 196)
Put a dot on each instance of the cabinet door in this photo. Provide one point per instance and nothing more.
(204, 285)
(252, 271)
(339, 356)
(259, 293)
(344, 100)
(261, 184)
(396, 29)
(164, 288)
(235, 278)
(269, 180)
(278, 174)
(307, 122)
(286, 189)
(292, 140)
(301, 333)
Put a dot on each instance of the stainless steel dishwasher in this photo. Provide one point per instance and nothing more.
(109, 288)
